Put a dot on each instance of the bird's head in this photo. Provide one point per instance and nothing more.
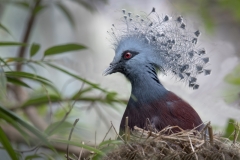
(161, 42)
(130, 56)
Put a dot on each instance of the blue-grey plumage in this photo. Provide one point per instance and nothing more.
(147, 44)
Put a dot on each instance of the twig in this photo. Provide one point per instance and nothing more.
(69, 158)
(74, 156)
(199, 126)
(210, 134)
(80, 154)
(192, 148)
(27, 33)
(205, 127)
(126, 129)
(107, 133)
(236, 132)
(141, 134)
(70, 135)
(121, 137)
(146, 133)
(199, 145)
(30, 112)
(116, 132)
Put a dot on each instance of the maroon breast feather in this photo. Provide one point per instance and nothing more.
(168, 110)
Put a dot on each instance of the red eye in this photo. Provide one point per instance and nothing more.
(127, 55)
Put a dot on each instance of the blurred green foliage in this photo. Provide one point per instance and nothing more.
(231, 128)
(41, 97)
(11, 111)
(212, 11)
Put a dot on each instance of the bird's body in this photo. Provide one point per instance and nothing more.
(162, 108)
(150, 100)
(150, 44)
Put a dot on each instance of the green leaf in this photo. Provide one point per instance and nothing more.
(36, 78)
(5, 64)
(3, 83)
(14, 59)
(229, 129)
(66, 12)
(5, 29)
(232, 80)
(58, 127)
(31, 157)
(39, 8)
(63, 48)
(41, 100)
(12, 44)
(234, 76)
(15, 125)
(17, 74)
(7, 145)
(79, 93)
(25, 125)
(34, 49)
(78, 144)
(17, 81)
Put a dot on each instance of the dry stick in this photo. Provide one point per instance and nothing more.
(128, 137)
(210, 134)
(236, 132)
(141, 134)
(116, 132)
(205, 140)
(69, 158)
(80, 154)
(126, 129)
(199, 126)
(70, 135)
(204, 128)
(109, 140)
(192, 148)
(164, 136)
(74, 156)
(107, 133)
(121, 137)
(199, 145)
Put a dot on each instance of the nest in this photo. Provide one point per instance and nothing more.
(186, 144)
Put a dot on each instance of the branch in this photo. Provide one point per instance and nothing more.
(58, 100)
(27, 32)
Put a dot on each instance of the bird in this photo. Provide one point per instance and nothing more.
(145, 45)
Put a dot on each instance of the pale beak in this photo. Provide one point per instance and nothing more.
(109, 70)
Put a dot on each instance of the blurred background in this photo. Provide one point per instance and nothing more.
(29, 31)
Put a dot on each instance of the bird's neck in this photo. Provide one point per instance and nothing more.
(146, 86)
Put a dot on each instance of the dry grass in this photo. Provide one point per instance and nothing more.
(186, 145)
